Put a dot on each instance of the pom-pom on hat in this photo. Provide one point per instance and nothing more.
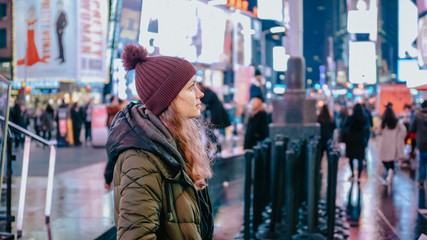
(158, 80)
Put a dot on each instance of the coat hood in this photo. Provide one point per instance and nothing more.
(137, 127)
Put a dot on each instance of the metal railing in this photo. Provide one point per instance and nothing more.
(24, 176)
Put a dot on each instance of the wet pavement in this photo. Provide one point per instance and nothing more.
(82, 208)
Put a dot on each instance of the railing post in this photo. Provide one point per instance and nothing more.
(10, 158)
(49, 188)
(23, 187)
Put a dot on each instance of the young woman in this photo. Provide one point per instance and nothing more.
(392, 133)
(162, 166)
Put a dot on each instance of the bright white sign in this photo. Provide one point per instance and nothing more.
(280, 59)
(270, 9)
(409, 72)
(362, 64)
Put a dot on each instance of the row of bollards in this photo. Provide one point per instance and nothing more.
(282, 192)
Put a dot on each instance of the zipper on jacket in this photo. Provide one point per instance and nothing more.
(168, 201)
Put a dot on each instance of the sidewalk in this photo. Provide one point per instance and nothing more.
(81, 207)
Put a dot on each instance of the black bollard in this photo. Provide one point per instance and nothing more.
(266, 154)
(333, 157)
(249, 154)
(290, 190)
(258, 188)
(275, 207)
(311, 198)
(268, 230)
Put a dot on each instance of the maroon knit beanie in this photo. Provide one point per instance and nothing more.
(158, 80)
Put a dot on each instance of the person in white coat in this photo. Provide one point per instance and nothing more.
(392, 133)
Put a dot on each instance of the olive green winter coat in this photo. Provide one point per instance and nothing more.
(154, 198)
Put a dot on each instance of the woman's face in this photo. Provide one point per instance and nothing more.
(188, 103)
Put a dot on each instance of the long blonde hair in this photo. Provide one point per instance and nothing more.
(188, 134)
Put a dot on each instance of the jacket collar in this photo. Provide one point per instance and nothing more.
(136, 127)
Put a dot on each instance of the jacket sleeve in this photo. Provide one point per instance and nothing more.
(140, 198)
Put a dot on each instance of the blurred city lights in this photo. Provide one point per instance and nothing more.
(413, 91)
(339, 91)
(349, 95)
(317, 86)
(278, 29)
(279, 88)
(361, 5)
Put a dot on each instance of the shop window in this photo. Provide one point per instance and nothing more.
(3, 39)
(3, 7)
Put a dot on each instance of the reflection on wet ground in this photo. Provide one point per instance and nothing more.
(375, 210)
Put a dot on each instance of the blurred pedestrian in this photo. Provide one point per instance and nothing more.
(47, 122)
(112, 109)
(77, 117)
(327, 126)
(257, 88)
(160, 178)
(88, 121)
(370, 121)
(37, 118)
(257, 128)
(419, 127)
(61, 117)
(342, 118)
(356, 129)
(19, 116)
(410, 136)
(392, 141)
(214, 113)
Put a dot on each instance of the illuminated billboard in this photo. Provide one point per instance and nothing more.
(60, 40)
(270, 9)
(189, 29)
(409, 72)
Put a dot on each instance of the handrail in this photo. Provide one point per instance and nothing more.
(28, 133)
(24, 176)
